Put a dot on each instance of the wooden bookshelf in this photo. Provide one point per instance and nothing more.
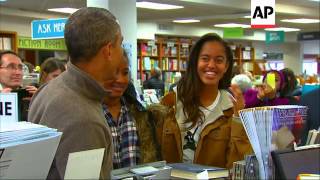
(8, 41)
(169, 54)
(244, 57)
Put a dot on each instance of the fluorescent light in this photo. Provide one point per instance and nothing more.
(302, 21)
(158, 6)
(64, 10)
(186, 20)
(315, 0)
(282, 29)
(248, 16)
(232, 25)
(3, 0)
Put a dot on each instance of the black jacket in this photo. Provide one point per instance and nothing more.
(154, 83)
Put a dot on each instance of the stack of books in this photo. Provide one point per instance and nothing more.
(196, 171)
(246, 169)
(272, 128)
(155, 170)
(26, 150)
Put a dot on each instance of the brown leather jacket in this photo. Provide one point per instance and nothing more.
(221, 142)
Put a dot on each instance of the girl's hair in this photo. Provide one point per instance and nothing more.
(291, 81)
(189, 87)
(50, 65)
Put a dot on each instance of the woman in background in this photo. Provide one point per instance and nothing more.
(265, 95)
(202, 125)
(50, 69)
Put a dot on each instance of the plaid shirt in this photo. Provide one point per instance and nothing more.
(125, 138)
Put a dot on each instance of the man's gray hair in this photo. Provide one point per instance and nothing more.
(87, 30)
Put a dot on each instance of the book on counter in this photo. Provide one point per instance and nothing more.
(154, 170)
(196, 171)
(27, 150)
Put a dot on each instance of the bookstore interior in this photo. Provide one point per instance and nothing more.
(169, 46)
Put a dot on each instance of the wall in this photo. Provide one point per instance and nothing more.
(11, 23)
(290, 50)
(310, 47)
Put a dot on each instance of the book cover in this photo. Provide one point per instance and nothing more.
(196, 171)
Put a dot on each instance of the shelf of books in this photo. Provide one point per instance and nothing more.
(168, 54)
(8, 41)
(244, 57)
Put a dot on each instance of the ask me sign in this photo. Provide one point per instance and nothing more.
(263, 13)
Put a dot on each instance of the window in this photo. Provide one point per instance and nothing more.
(274, 65)
(310, 67)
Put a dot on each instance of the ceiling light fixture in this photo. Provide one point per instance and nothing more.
(315, 0)
(248, 16)
(63, 10)
(302, 21)
(231, 25)
(186, 21)
(282, 29)
(157, 6)
(3, 0)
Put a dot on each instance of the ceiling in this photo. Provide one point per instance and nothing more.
(209, 12)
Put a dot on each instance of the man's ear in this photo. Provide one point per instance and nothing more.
(43, 77)
(106, 50)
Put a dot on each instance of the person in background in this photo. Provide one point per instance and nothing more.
(29, 65)
(50, 69)
(265, 95)
(71, 103)
(311, 100)
(11, 73)
(177, 77)
(291, 86)
(125, 115)
(202, 123)
(155, 82)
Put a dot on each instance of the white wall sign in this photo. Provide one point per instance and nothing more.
(263, 13)
(8, 108)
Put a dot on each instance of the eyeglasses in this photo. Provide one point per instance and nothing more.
(13, 67)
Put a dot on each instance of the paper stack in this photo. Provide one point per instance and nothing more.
(270, 128)
(26, 150)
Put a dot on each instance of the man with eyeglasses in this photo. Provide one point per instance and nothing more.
(11, 72)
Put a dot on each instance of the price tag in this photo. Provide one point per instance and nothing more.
(185, 45)
(151, 43)
(170, 44)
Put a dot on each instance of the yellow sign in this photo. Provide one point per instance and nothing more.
(48, 44)
(271, 80)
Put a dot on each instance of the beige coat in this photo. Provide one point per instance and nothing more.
(221, 142)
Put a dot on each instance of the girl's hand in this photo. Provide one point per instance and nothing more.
(237, 99)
